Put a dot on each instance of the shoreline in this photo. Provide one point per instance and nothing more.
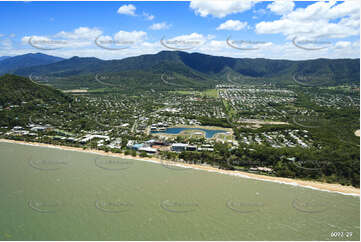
(327, 187)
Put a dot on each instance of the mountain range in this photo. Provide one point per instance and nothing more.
(11, 64)
(4, 57)
(178, 69)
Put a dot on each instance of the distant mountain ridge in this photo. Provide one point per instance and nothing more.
(195, 68)
(11, 64)
(4, 57)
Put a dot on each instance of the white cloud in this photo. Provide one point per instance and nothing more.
(232, 25)
(78, 38)
(186, 42)
(342, 44)
(6, 43)
(193, 36)
(134, 36)
(127, 9)
(26, 39)
(121, 40)
(159, 26)
(281, 7)
(84, 37)
(52, 42)
(314, 21)
(220, 8)
(211, 47)
(80, 33)
(12, 35)
(261, 11)
(148, 16)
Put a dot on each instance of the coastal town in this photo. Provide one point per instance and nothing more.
(156, 124)
(218, 120)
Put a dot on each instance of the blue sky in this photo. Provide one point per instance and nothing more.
(114, 30)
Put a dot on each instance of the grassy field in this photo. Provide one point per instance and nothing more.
(207, 93)
(224, 136)
(210, 93)
(184, 92)
(229, 108)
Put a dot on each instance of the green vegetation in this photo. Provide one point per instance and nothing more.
(16, 90)
(11, 64)
(182, 71)
(317, 142)
(210, 93)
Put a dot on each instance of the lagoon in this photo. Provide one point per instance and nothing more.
(52, 194)
(209, 133)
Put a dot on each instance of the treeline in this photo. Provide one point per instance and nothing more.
(339, 165)
(214, 122)
(15, 90)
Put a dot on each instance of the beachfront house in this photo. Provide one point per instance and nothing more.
(148, 150)
(89, 137)
(179, 147)
(191, 148)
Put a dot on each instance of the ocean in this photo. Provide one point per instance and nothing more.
(52, 194)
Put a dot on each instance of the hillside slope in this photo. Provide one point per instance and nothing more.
(10, 64)
(195, 69)
(16, 89)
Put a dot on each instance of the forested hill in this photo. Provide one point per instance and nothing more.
(16, 90)
(11, 64)
(195, 69)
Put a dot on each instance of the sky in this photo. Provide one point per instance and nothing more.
(235, 28)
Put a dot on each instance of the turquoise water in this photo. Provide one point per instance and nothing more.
(209, 132)
(50, 194)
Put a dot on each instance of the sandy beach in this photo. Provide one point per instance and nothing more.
(337, 188)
